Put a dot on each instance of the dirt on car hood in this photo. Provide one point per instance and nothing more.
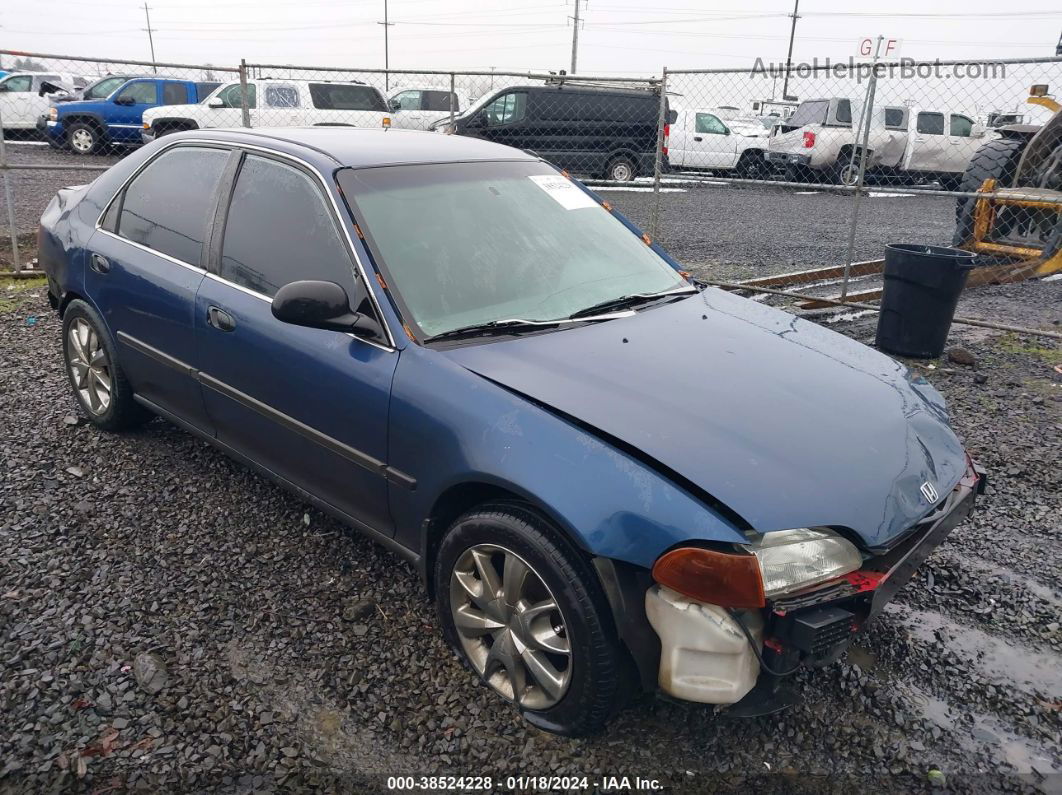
(783, 421)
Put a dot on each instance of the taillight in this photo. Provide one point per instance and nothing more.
(719, 578)
(809, 139)
(667, 135)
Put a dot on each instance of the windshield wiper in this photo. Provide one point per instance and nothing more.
(627, 302)
(510, 326)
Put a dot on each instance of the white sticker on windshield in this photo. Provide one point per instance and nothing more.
(567, 194)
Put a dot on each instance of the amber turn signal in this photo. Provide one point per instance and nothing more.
(719, 578)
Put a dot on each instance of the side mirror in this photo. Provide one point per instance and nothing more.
(318, 304)
(477, 121)
(216, 103)
(124, 101)
(394, 105)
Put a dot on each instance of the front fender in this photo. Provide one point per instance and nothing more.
(449, 426)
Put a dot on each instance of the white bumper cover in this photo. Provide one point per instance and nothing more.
(704, 655)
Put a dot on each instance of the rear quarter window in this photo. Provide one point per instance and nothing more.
(337, 96)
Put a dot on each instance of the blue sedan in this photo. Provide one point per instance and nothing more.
(610, 477)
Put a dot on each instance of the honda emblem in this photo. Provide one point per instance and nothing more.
(929, 492)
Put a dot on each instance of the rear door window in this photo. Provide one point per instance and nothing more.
(280, 229)
(282, 96)
(174, 94)
(813, 112)
(930, 123)
(167, 205)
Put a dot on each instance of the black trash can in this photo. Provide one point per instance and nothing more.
(922, 286)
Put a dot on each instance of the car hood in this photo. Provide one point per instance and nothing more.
(169, 110)
(785, 422)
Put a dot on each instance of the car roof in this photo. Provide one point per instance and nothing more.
(356, 147)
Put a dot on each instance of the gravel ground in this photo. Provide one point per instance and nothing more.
(171, 622)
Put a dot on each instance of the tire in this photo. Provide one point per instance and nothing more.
(845, 171)
(998, 160)
(795, 173)
(621, 169)
(752, 165)
(586, 682)
(83, 138)
(91, 361)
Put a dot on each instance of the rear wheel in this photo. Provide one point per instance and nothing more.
(845, 171)
(621, 169)
(526, 613)
(99, 384)
(83, 138)
(996, 160)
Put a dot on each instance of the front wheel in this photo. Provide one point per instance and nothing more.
(527, 614)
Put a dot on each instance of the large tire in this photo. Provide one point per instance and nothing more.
(998, 160)
(96, 377)
(83, 138)
(475, 586)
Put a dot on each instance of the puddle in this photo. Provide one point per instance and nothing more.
(1023, 754)
(1010, 664)
(1022, 580)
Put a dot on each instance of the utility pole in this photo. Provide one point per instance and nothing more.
(789, 56)
(387, 63)
(151, 40)
(575, 37)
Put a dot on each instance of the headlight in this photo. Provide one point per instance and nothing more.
(53, 114)
(794, 559)
(780, 563)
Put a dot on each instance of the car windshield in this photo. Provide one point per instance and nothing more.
(103, 88)
(463, 244)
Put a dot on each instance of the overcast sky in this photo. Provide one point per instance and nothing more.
(629, 37)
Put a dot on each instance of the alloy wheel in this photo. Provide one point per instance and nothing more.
(82, 140)
(89, 368)
(510, 626)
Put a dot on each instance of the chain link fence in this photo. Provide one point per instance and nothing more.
(785, 183)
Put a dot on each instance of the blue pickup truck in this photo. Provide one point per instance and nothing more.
(85, 127)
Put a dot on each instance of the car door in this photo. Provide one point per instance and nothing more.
(16, 111)
(712, 145)
(309, 405)
(961, 143)
(126, 118)
(927, 147)
(145, 264)
(281, 106)
(435, 106)
(408, 114)
(229, 110)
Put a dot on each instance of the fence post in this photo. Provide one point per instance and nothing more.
(865, 121)
(452, 97)
(658, 162)
(10, 201)
(244, 107)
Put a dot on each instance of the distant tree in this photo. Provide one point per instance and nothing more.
(208, 75)
(28, 65)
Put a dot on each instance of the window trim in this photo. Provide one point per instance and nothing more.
(315, 174)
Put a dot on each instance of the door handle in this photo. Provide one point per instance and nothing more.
(220, 319)
(697, 138)
(100, 264)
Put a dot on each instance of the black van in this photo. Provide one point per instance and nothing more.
(597, 132)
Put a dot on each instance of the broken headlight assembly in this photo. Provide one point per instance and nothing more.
(777, 564)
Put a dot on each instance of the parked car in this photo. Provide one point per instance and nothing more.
(275, 103)
(24, 96)
(419, 107)
(86, 126)
(817, 141)
(703, 139)
(600, 132)
(495, 393)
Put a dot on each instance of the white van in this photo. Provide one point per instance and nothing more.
(707, 139)
(419, 107)
(275, 103)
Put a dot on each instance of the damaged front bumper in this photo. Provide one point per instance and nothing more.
(714, 655)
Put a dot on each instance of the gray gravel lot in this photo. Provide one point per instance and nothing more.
(171, 622)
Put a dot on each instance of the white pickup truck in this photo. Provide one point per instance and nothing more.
(419, 107)
(817, 141)
(274, 103)
(24, 96)
(713, 139)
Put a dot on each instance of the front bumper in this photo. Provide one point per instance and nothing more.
(147, 135)
(707, 656)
